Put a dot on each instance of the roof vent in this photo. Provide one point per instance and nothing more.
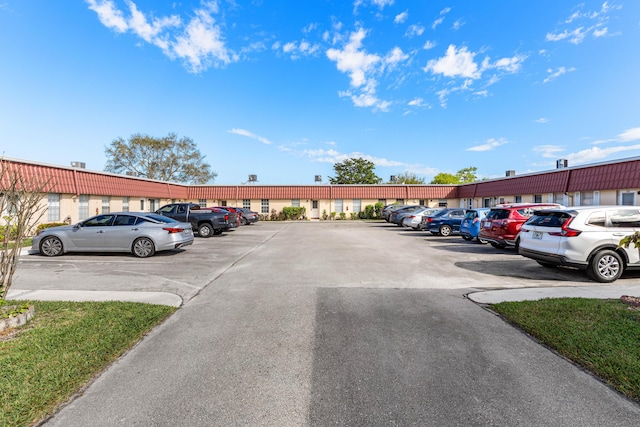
(79, 165)
(253, 178)
(562, 163)
(131, 173)
(318, 178)
(510, 173)
(393, 178)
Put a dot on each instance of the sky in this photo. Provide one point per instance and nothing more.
(285, 89)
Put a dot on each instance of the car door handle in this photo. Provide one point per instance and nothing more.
(135, 229)
(100, 232)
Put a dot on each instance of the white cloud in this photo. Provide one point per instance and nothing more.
(414, 30)
(489, 145)
(352, 60)
(109, 15)
(542, 120)
(600, 33)
(595, 153)
(457, 25)
(455, 63)
(429, 45)
(199, 43)
(557, 73)
(334, 156)
(440, 20)
(417, 102)
(584, 23)
(630, 135)
(548, 151)
(251, 135)
(401, 17)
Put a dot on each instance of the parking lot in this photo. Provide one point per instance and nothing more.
(330, 323)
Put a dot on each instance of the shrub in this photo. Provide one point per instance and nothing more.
(355, 215)
(294, 213)
(343, 215)
(369, 212)
(378, 209)
(324, 215)
(333, 215)
(13, 232)
(41, 227)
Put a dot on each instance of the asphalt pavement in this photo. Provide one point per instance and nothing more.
(336, 323)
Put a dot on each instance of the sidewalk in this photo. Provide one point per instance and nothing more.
(526, 294)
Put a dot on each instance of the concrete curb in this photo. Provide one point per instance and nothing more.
(532, 294)
(160, 298)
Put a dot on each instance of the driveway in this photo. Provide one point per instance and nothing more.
(336, 323)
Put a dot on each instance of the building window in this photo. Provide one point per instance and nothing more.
(295, 203)
(223, 203)
(537, 198)
(202, 203)
(486, 203)
(501, 201)
(246, 203)
(314, 204)
(442, 203)
(83, 207)
(264, 206)
(106, 204)
(142, 205)
(125, 204)
(338, 204)
(53, 214)
(357, 205)
(518, 199)
(628, 199)
(153, 205)
(421, 202)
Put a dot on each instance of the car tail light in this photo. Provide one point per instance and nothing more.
(476, 219)
(412, 216)
(226, 217)
(567, 231)
(173, 230)
(430, 219)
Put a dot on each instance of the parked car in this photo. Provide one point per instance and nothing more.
(142, 234)
(470, 226)
(414, 219)
(398, 215)
(248, 216)
(447, 223)
(388, 209)
(585, 237)
(205, 222)
(234, 218)
(503, 222)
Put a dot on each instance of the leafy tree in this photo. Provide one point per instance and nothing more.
(408, 178)
(468, 174)
(461, 177)
(355, 171)
(445, 178)
(165, 159)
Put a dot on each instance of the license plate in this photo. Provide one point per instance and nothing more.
(536, 235)
(487, 224)
(187, 231)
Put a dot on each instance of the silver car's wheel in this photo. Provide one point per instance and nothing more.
(445, 230)
(605, 267)
(51, 246)
(143, 247)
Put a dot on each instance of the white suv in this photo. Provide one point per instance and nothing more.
(585, 237)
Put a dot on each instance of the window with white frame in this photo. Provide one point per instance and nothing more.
(264, 206)
(357, 205)
(142, 205)
(153, 205)
(586, 198)
(295, 203)
(338, 204)
(202, 203)
(83, 206)
(559, 198)
(537, 198)
(106, 204)
(53, 212)
(442, 203)
(246, 203)
(125, 204)
(518, 199)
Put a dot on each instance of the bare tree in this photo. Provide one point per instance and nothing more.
(21, 209)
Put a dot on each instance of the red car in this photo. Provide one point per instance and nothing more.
(501, 226)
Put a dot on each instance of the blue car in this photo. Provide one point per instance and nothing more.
(470, 226)
(446, 222)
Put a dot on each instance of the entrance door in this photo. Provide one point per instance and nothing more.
(315, 211)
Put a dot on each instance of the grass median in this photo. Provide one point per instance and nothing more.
(600, 335)
(46, 361)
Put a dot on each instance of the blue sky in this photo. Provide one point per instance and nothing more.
(285, 89)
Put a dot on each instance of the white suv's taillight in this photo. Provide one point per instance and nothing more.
(567, 231)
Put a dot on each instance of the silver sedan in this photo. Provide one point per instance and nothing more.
(142, 234)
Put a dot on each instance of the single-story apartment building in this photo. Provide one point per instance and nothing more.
(75, 193)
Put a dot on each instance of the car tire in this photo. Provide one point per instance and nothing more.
(205, 230)
(497, 245)
(517, 244)
(467, 238)
(445, 230)
(143, 247)
(605, 266)
(51, 246)
(218, 231)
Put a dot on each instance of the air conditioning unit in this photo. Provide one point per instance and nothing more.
(318, 178)
(131, 173)
(253, 178)
(79, 165)
(562, 163)
(510, 173)
(393, 178)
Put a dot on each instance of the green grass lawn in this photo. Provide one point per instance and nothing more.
(46, 361)
(603, 336)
